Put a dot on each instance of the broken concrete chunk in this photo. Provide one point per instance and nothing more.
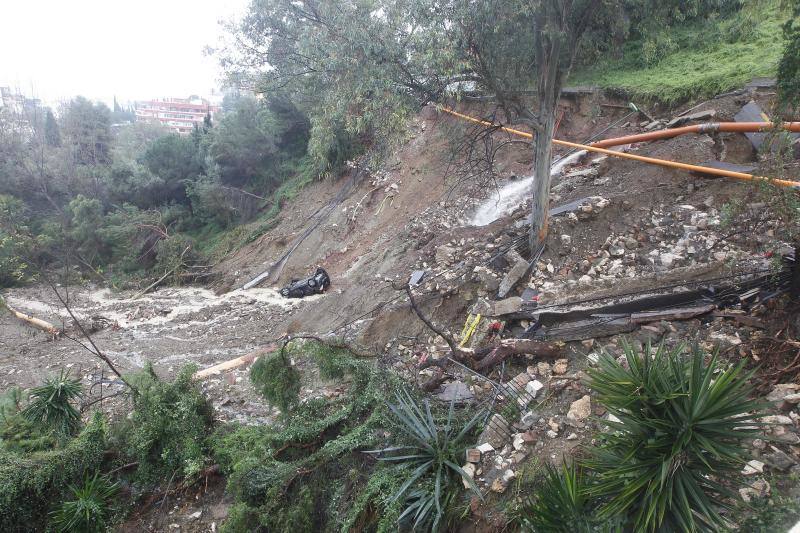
(473, 455)
(506, 307)
(513, 276)
(533, 387)
(700, 115)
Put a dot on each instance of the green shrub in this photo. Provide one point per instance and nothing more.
(656, 48)
(31, 485)
(666, 464)
(309, 473)
(89, 509)
(276, 380)
(169, 426)
(560, 505)
(50, 407)
(18, 434)
(434, 452)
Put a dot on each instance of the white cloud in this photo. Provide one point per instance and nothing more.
(54, 49)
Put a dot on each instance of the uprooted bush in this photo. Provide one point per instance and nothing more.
(311, 473)
(168, 428)
(31, 485)
(276, 379)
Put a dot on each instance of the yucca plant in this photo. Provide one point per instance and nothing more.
(435, 451)
(665, 464)
(90, 507)
(50, 406)
(560, 504)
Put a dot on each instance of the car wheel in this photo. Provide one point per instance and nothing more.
(285, 293)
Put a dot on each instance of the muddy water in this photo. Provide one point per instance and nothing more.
(513, 194)
(160, 307)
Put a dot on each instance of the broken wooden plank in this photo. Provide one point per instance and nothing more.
(684, 313)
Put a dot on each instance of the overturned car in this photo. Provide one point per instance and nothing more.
(300, 288)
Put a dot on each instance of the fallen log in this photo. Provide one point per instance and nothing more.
(243, 360)
(37, 323)
(509, 347)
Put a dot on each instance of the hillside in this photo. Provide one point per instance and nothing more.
(640, 227)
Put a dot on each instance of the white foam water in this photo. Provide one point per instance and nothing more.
(513, 194)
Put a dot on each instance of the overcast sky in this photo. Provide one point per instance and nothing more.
(134, 49)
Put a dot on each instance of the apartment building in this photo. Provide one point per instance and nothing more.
(178, 114)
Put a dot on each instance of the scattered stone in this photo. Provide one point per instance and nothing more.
(528, 419)
(485, 448)
(779, 459)
(456, 391)
(616, 251)
(580, 409)
(781, 420)
(572, 436)
(468, 469)
(566, 240)
(560, 366)
(518, 442)
(753, 467)
(195, 515)
(758, 489)
(781, 391)
(552, 434)
(444, 254)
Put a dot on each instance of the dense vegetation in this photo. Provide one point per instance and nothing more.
(127, 199)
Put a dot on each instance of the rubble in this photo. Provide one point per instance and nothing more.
(580, 409)
(496, 432)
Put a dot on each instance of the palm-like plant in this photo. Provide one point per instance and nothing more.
(560, 504)
(50, 406)
(89, 509)
(435, 451)
(680, 432)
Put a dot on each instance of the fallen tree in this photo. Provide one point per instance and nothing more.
(37, 323)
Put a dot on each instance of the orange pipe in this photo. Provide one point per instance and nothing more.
(649, 160)
(733, 127)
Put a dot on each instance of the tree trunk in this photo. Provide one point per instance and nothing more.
(542, 159)
(795, 282)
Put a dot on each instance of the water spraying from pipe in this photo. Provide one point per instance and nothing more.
(513, 194)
